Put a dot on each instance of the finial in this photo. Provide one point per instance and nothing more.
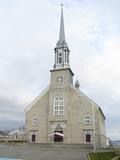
(61, 4)
(77, 84)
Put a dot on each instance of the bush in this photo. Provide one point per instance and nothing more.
(102, 155)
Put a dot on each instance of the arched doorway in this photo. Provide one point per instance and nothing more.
(88, 138)
(33, 136)
(58, 134)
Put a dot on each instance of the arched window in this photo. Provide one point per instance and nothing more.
(56, 56)
(16, 136)
(67, 58)
(34, 120)
(60, 58)
(58, 106)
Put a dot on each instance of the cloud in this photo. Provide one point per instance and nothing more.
(96, 44)
(29, 31)
(114, 132)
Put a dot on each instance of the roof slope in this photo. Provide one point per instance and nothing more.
(81, 94)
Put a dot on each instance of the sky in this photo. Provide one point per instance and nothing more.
(29, 31)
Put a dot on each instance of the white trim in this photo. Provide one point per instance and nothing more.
(59, 134)
(56, 133)
(36, 99)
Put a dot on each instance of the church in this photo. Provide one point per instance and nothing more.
(62, 113)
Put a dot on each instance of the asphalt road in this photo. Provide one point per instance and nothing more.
(36, 152)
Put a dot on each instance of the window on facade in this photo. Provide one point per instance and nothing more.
(16, 136)
(58, 106)
(87, 119)
(34, 120)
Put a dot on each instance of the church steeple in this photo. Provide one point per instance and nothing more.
(61, 49)
(62, 30)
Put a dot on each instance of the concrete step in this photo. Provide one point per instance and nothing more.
(61, 145)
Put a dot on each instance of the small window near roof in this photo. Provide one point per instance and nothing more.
(34, 120)
(87, 119)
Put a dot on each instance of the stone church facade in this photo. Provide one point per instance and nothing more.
(62, 113)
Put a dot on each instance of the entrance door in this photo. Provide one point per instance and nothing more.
(88, 138)
(57, 137)
(33, 138)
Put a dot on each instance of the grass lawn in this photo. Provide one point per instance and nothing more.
(102, 155)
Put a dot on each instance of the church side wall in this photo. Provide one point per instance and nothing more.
(78, 107)
(102, 130)
(99, 128)
(40, 129)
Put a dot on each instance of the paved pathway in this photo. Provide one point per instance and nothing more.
(36, 152)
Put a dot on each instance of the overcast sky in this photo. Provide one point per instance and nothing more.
(29, 30)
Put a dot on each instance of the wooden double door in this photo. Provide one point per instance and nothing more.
(88, 138)
(33, 138)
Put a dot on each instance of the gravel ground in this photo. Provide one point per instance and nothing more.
(37, 152)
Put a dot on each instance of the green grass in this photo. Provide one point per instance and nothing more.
(102, 155)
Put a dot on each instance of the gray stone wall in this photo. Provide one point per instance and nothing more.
(76, 106)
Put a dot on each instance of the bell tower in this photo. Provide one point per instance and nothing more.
(61, 50)
(61, 74)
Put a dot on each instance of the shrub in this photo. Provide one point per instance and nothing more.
(102, 155)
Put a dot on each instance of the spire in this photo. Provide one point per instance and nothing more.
(61, 49)
(62, 31)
